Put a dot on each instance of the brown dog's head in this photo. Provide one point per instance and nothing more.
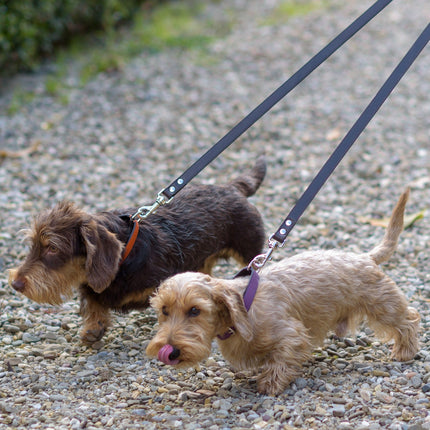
(67, 248)
(192, 309)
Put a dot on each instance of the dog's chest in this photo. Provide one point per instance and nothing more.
(240, 353)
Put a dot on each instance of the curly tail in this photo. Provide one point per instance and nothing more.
(249, 183)
(386, 248)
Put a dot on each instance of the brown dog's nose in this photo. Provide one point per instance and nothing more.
(18, 285)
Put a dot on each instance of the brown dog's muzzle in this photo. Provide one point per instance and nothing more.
(18, 285)
(16, 282)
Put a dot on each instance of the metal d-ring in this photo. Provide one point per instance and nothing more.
(260, 260)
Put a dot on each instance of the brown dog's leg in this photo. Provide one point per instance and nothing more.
(96, 319)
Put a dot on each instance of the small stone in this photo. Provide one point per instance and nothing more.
(377, 372)
(29, 338)
(85, 374)
(13, 361)
(7, 340)
(50, 355)
(252, 416)
(349, 342)
(384, 397)
(206, 393)
(301, 383)
(338, 410)
(11, 328)
(316, 373)
(416, 381)
(222, 413)
(320, 410)
(425, 388)
(401, 381)
(173, 388)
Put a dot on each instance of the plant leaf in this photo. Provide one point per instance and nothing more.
(408, 221)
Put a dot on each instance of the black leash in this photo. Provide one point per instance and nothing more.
(279, 237)
(169, 192)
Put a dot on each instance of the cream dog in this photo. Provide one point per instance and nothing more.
(297, 302)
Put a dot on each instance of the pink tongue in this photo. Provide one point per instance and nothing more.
(163, 355)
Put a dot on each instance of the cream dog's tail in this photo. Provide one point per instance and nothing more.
(386, 248)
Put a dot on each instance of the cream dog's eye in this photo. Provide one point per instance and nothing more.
(164, 311)
(194, 312)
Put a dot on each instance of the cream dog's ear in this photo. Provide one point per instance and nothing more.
(233, 302)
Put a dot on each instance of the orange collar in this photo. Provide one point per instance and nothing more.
(131, 241)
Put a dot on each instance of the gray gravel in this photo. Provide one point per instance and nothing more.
(126, 135)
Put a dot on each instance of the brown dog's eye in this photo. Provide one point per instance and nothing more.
(164, 311)
(52, 249)
(194, 312)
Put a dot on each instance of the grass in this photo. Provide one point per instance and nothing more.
(291, 8)
(19, 99)
(170, 25)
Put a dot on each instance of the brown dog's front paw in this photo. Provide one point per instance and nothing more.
(93, 334)
(269, 387)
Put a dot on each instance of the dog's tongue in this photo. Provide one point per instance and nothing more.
(163, 355)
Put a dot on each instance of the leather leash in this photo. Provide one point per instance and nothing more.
(169, 192)
(279, 237)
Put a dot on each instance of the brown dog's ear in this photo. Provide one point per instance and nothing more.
(103, 255)
(233, 301)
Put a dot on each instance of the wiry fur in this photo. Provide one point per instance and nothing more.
(70, 248)
(298, 301)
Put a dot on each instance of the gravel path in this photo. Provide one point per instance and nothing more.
(126, 135)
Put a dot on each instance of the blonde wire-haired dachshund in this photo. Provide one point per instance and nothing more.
(298, 300)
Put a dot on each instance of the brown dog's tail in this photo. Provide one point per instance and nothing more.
(248, 183)
(386, 248)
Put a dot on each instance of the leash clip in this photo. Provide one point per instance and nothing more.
(260, 260)
(144, 211)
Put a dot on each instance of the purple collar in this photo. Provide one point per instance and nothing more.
(251, 290)
(248, 298)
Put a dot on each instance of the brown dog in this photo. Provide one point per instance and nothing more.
(297, 302)
(70, 248)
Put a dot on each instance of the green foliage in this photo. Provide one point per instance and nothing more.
(31, 28)
(174, 24)
(155, 26)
